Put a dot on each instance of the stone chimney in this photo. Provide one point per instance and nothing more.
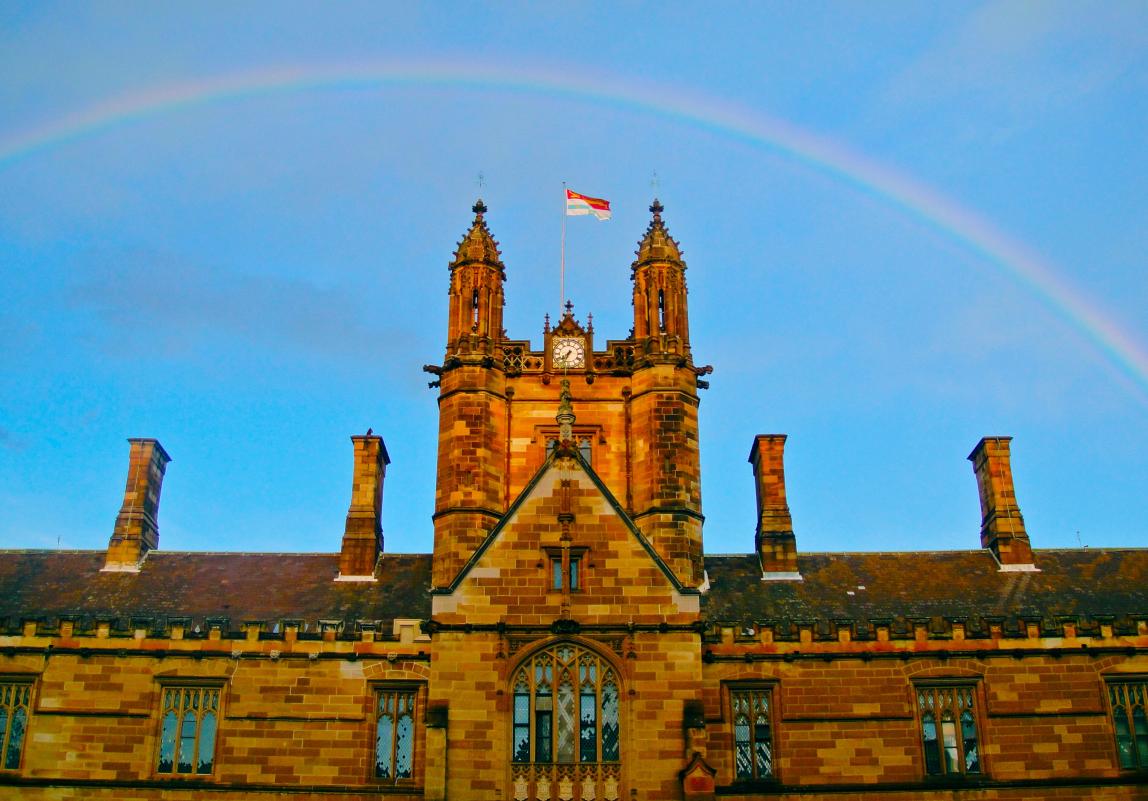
(775, 540)
(363, 536)
(1002, 525)
(137, 531)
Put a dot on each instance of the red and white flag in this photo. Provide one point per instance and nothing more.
(577, 205)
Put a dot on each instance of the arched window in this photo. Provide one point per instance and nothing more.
(565, 733)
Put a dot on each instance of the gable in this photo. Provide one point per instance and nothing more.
(510, 578)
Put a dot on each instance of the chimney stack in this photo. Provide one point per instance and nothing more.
(137, 531)
(1002, 525)
(775, 540)
(363, 536)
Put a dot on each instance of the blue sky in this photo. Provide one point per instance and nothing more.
(907, 226)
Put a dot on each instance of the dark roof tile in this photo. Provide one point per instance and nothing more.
(1084, 583)
(237, 586)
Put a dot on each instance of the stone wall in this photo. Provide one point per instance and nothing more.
(295, 713)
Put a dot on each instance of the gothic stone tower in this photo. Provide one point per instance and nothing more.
(567, 555)
(635, 401)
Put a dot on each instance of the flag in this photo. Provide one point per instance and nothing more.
(577, 205)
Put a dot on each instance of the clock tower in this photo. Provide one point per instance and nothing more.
(635, 405)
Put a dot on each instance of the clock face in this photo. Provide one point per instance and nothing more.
(569, 352)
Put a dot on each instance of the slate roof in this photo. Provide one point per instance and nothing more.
(237, 586)
(1085, 584)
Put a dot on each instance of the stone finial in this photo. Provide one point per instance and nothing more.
(137, 528)
(775, 541)
(657, 244)
(478, 244)
(565, 416)
(1002, 524)
(363, 534)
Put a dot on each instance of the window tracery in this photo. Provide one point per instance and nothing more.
(752, 710)
(1130, 723)
(189, 720)
(15, 704)
(566, 725)
(949, 729)
(395, 734)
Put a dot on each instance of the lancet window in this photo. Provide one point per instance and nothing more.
(15, 704)
(1130, 722)
(189, 718)
(395, 734)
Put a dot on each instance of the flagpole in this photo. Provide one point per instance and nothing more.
(562, 273)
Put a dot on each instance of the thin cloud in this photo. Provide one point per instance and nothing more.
(1019, 60)
(141, 302)
(10, 441)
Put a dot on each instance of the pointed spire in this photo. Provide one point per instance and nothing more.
(478, 244)
(657, 244)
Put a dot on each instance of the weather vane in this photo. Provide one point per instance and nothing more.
(655, 184)
(481, 182)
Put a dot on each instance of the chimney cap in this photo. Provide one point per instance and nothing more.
(985, 442)
(374, 438)
(755, 449)
(133, 441)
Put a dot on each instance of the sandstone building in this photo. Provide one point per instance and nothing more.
(569, 639)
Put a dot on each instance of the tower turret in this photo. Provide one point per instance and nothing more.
(661, 321)
(471, 487)
(474, 327)
(666, 476)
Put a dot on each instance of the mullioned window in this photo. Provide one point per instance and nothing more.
(395, 734)
(565, 734)
(1129, 704)
(949, 729)
(189, 721)
(752, 715)
(15, 707)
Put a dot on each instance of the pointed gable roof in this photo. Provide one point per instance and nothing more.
(508, 518)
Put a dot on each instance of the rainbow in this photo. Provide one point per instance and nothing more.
(832, 158)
